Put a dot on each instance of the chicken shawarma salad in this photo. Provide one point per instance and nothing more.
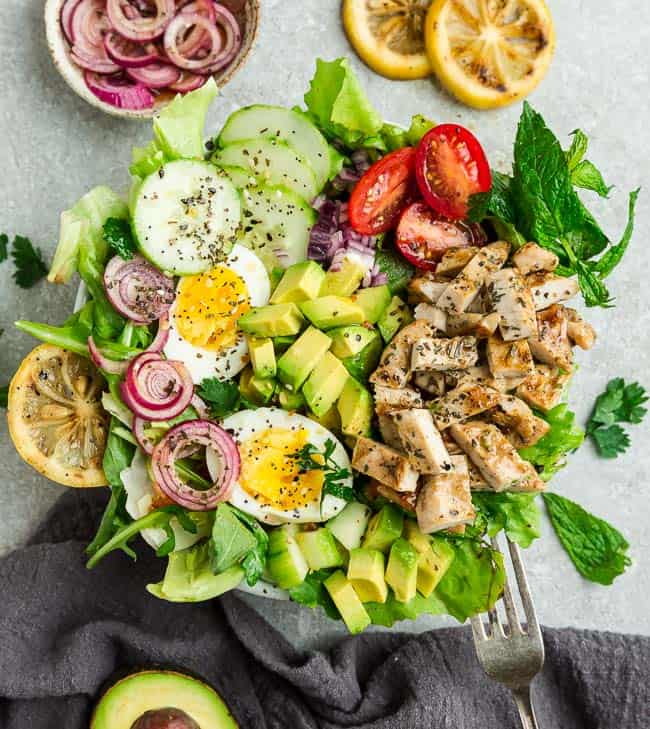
(323, 358)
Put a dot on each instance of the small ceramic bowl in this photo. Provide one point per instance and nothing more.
(246, 12)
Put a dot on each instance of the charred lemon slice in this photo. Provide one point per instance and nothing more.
(55, 416)
(388, 35)
(489, 53)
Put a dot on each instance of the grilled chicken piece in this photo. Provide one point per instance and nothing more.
(476, 480)
(395, 365)
(384, 464)
(388, 399)
(432, 314)
(487, 326)
(509, 359)
(427, 287)
(520, 425)
(445, 501)
(450, 444)
(462, 291)
(512, 300)
(431, 353)
(454, 260)
(532, 258)
(495, 457)
(551, 346)
(580, 332)
(422, 441)
(433, 383)
(548, 289)
(462, 324)
(462, 403)
(389, 432)
(544, 388)
(406, 501)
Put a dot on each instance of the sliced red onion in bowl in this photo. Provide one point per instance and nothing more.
(200, 407)
(140, 27)
(178, 27)
(89, 23)
(156, 75)
(129, 54)
(119, 92)
(67, 11)
(188, 82)
(196, 36)
(97, 60)
(230, 27)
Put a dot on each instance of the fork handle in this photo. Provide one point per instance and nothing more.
(525, 705)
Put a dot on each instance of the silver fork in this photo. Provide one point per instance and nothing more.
(512, 652)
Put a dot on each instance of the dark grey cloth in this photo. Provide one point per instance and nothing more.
(64, 631)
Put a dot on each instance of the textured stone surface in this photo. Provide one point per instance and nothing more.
(54, 147)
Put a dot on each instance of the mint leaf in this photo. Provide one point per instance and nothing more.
(578, 149)
(222, 397)
(30, 266)
(587, 176)
(610, 440)
(613, 256)
(117, 233)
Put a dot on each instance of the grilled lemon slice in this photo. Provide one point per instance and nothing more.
(489, 53)
(388, 35)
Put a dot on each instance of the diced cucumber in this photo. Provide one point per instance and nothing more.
(384, 528)
(272, 163)
(285, 561)
(350, 524)
(320, 549)
(275, 122)
(186, 216)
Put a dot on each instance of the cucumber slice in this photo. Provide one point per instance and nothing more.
(273, 163)
(285, 561)
(239, 177)
(275, 122)
(350, 525)
(186, 217)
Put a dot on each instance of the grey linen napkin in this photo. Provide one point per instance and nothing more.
(65, 630)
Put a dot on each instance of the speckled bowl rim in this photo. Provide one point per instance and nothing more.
(73, 75)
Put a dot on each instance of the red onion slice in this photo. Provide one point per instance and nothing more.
(200, 407)
(140, 27)
(97, 60)
(119, 92)
(138, 431)
(188, 82)
(90, 23)
(67, 11)
(108, 365)
(232, 31)
(184, 439)
(197, 37)
(156, 75)
(179, 25)
(129, 54)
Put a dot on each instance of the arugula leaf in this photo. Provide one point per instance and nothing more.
(516, 514)
(312, 593)
(620, 403)
(222, 396)
(4, 242)
(230, 541)
(309, 458)
(30, 266)
(596, 548)
(118, 235)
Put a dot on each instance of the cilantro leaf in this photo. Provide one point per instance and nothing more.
(620, 403)
(309, 458)
(610, 440)
(596, 548)
(222, 397)
(117, 233)
(30, 266)
(4, 242)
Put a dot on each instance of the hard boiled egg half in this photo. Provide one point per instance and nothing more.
(271, 485)
(203, 331)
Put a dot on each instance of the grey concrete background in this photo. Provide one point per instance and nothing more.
(54, 147)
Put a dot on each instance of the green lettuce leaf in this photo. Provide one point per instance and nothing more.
(230, 541)
(312, 593)
(392, 611)
(516, 514)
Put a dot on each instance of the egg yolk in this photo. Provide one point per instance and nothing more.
(208, 307)
(270, 473)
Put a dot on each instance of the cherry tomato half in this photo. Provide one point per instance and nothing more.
(423, 236)
(383, 192)
(450, 165)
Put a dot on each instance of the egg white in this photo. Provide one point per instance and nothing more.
(224, 364)
(243, 426)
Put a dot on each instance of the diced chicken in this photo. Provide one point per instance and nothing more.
(432, 314)
(450, 444)
(422, 441)
(487, 326)
(454, 260)
(427, 287)
(552, 345)
(476, 480)
(388, 399)
(548, 289)
(395, 365)
(389, 432)
(580, 332)
(384, 464)
(462, 291)
(480, 305)
(532, 258)
(445, 501)
(520, 425)
(458, 529)
(462, 403)
(496, 458)
(512, 300)
(544, 388)
(406, 501)
(433, 383)
(462, 324)
(477, 374)
(509, 359)
(456, 353)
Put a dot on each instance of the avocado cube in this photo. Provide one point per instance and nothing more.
(281, 344)
(262, 389)
(346, 280)
(363, 364)
(325, 384)
(245, 388)
(366, 573)
(331, 420)
(296, 364)
(346, 600)
(285, 561)
(274, 320)
(355, 408)
(300, 282)
(374, 301)
(262, 356)
(348, 341)
(290, 400)
(328, 312)
(395, 316)
(320, 549)
(435, 557)
(384, 528)
(275, 276)
(402, 570)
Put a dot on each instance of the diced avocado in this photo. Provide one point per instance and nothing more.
(262, 389)
(355, 409)
(374, 300)
(285, 561)
(300, 282)
(384, 528)
(331, 420)
(281, 344)
(350, 524)
(320, 549)
(325, 384)
(402, 570)
(290, 400)
(245, 388)
(262, 356)
(275, 275)
(348, 341)
(362, 365)
(366, 573)
(345, 598)
(296, 364)
(395, 316)
(328, 312)
(274, 320)
(345, 281)
(435, 557)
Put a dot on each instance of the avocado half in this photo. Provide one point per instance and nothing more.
(161, 700)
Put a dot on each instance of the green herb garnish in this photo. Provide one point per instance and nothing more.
(117, 233)
(222, 397)
(620, 403)
(309, 458)
(29, 263)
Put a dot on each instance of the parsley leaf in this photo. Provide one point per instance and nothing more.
(117, 233)
(611, 440)
(222, 397)
(4, 242)
(30, 266)
(311, 459)
(620, 403)
(596, 548)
